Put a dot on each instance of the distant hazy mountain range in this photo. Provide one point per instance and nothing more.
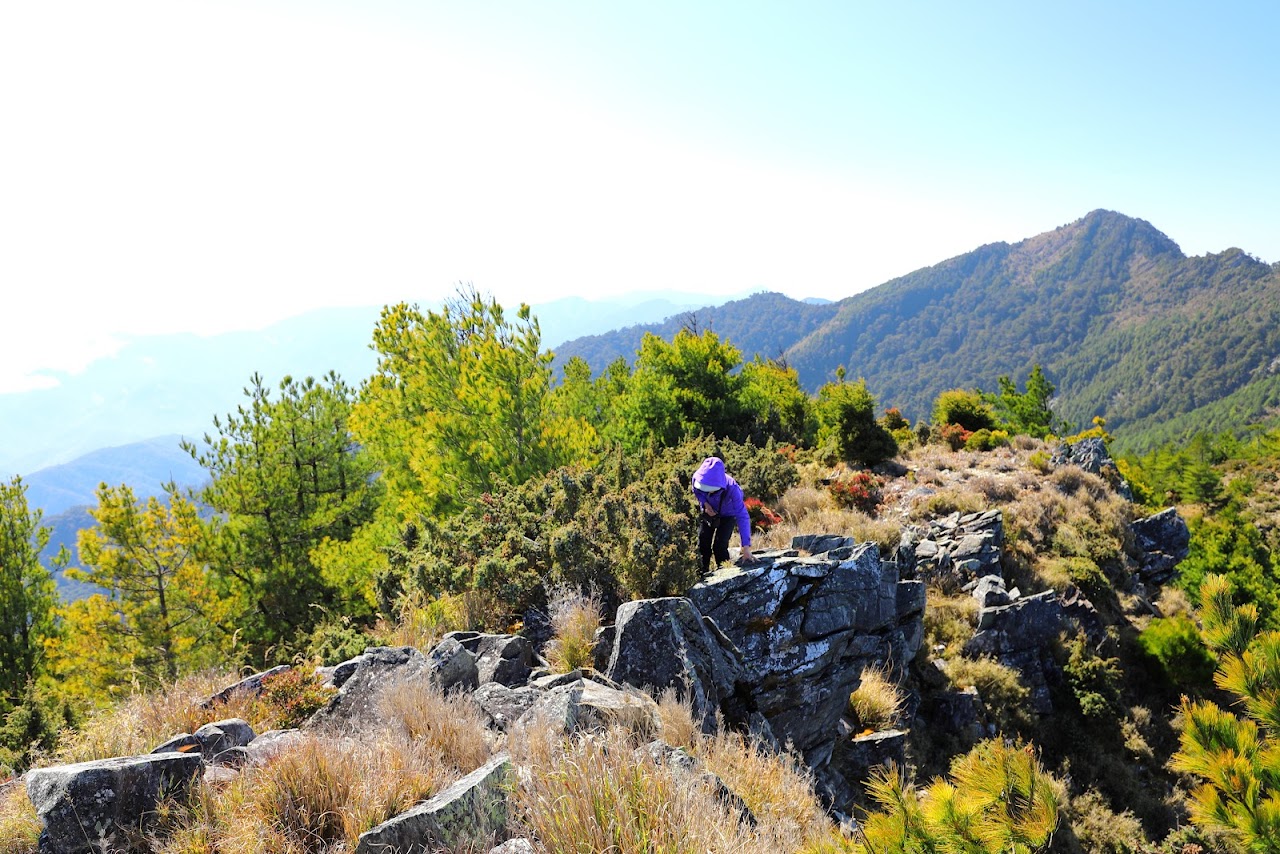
(161, 385)
(1123, 323)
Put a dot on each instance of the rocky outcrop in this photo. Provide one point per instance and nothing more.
(505, 659)
(665, 643)
(1163, 541)
(958, 547)
(585, 705)
(1020, 635)
(1092, 456)
(806, 627)
(366, 678)
(473, 809)
(93, 807)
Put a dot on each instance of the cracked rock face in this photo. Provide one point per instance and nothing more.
(1164, 541)
(806, 627)
(666, 643)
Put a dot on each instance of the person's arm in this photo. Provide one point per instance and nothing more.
(744, 524)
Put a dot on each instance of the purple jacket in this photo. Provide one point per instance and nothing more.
(726, 500)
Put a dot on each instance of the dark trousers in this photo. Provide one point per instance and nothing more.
(713, 536)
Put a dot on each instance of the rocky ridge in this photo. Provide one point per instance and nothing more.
(773, 649)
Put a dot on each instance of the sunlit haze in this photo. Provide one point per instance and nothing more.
(181, 166)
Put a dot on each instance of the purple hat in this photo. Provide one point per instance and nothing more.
(710, 475)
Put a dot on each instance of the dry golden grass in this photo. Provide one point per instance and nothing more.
(600, 794)
(877, 702)
(143, 721)
(316, 795)
(575, 616)
(799, 502)
(422, 622)
(829, 519)
(19, 827)
(453, 727)
(948, 500)
(949, 620)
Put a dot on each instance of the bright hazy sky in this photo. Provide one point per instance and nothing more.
(202, 166)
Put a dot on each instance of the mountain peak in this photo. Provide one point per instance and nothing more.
(1102, 226)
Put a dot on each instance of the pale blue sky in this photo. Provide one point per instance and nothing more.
(201, 166)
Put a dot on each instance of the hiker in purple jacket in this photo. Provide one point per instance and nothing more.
(720, 500)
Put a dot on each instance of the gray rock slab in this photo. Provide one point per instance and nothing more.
(87, 807)
(470, 810)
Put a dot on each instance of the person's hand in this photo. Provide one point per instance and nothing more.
(745, 556)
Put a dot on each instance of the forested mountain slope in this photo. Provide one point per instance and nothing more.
(1123, 323)
(765, 323)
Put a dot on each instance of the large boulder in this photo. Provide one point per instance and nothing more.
(94, 807)
(1163, 541)
(1020, 635)
(503, 706)
(471, 810)
(806, 628)
(505, 659)
(449, 666)
(585, 705)
(665, 643)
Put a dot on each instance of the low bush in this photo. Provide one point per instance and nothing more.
(986, 440)
(1175, 644)
(859, 490)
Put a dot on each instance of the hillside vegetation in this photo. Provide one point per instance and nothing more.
(460, 487)
(1161, 345)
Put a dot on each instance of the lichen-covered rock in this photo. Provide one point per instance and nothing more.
(1163, 541)
(473, 809)
(585, 705)
(87, 808)
(806, 627)
(665, 643)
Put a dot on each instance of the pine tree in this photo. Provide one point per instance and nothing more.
(27, 592)
(146, 556)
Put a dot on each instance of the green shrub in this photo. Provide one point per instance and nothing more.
(986, 440)
(1039, 461)
(846, 421)
(965, 408)
(292, 696)
(1175, 643)
(1095, 682)
(337, 640)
